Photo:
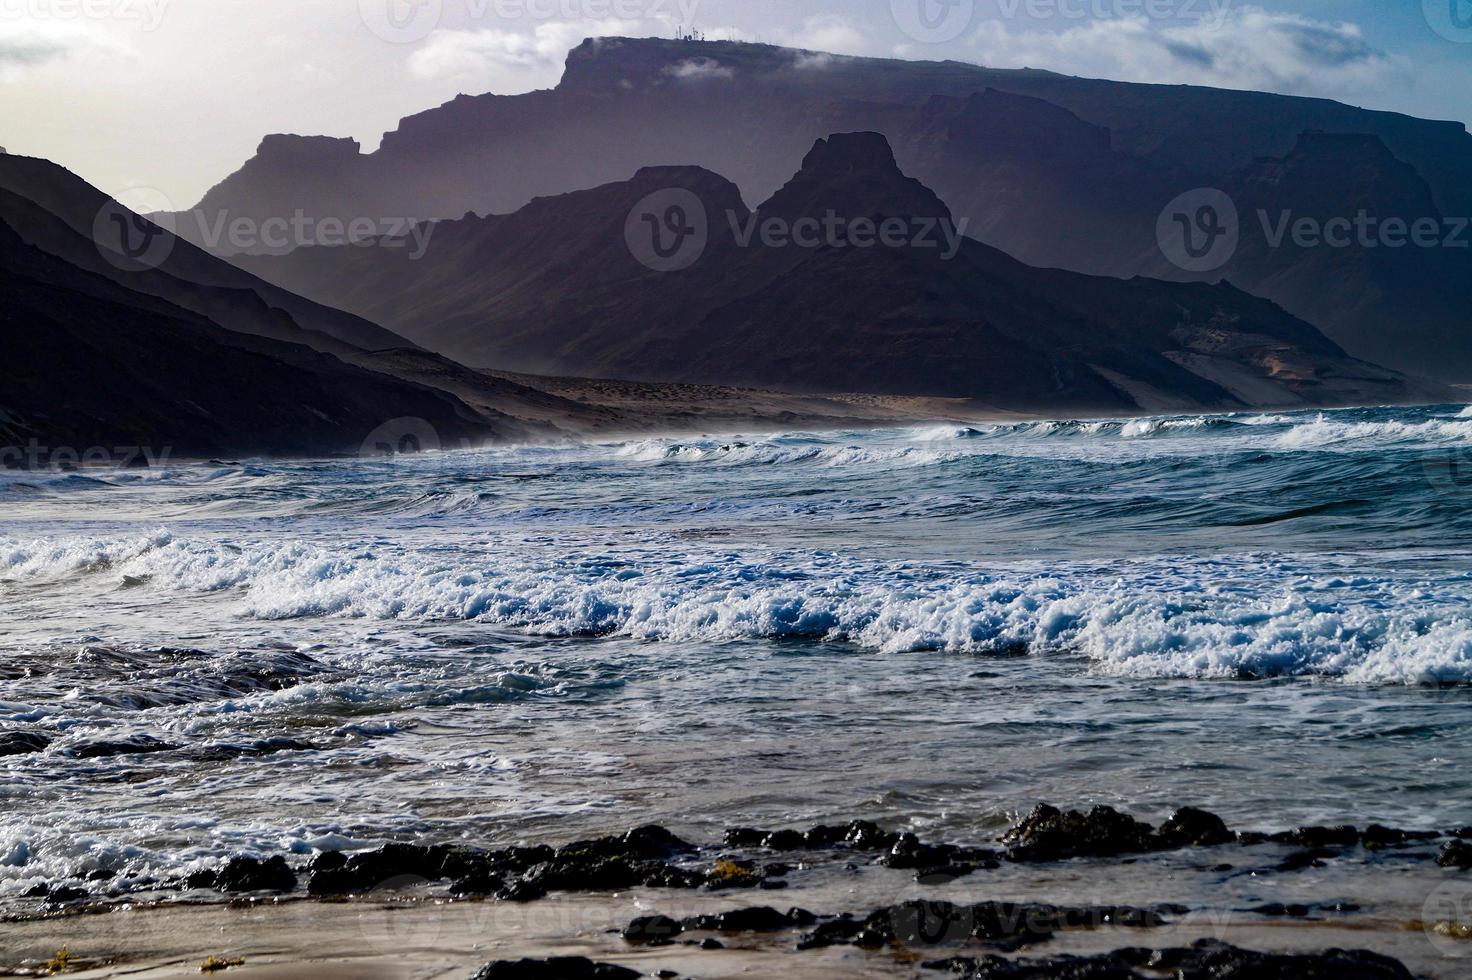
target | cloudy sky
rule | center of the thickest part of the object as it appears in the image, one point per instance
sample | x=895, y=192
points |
x=175, y=94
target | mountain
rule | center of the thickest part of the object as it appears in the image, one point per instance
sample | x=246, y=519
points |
x=173, y=348
x=176, y=353
x=1057, y=171
x=740, y=109
x=1396, y=300
x=90, y=363
x=58, y=212
x=563, y=286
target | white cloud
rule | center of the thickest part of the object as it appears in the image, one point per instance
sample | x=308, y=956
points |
x=309, y=72
x=1249, y=48
x=29, y=46
x=459, y=53
x=831, y=33
x=694, y=69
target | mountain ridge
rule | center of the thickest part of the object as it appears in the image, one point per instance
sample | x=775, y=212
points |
x=831, y=315
x=1059, y=171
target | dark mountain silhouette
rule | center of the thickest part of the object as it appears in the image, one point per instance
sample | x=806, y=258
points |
x=556, y=287
x=91, y=363
x=58, y=212
x=623, y=104
x=196, y=358
x=1057, y=171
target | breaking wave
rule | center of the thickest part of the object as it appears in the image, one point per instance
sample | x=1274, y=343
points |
x=1252, y=616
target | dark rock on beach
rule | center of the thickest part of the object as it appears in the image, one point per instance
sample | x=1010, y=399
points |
x=1005, y=925
x=22, y=743
x=517, y=873
x=557, y=968
x=1277, y=910
x=937, y=860
x=860, y=835
x=652, y=930
x=106, y=749
x=1049, y=834
x=1376, y=836
x=246, y=874
x=57, y=894
x=759, y=919
x=1316, y=837
x=1302, y=860
x=1457, y=854
x=391, y=866
x=1190, y=827
x=253, y=750
x=649, y=843
x=1206, y=960
x=250, y=875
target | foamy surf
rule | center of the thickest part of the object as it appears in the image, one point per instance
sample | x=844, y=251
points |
x=473, y=645
x=1253, y=616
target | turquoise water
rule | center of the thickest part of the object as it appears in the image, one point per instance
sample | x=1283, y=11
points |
x=1266, y=615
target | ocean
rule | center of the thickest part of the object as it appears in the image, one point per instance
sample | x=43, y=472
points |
x=1269, y=616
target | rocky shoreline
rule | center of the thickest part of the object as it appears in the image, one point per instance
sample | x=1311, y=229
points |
x=933, y=936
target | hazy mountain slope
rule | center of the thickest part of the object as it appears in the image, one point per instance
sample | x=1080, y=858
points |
x=624, y=103
x=554, y=288
x=89, y=363
x=58, y=212
x=93, y=363
x=1058, y=171
x=1399, y=302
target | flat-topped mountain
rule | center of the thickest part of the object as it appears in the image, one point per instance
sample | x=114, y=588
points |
x=808, y=293
x=1057, y=171
x=624, y=103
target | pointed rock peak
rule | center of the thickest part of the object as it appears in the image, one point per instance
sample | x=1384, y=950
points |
x=854, y=175
x=850, y=153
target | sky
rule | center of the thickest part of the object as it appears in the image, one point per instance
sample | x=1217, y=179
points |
x=174, y=95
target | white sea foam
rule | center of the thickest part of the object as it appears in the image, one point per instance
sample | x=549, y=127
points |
x=1326, y=432
x=1159, y=619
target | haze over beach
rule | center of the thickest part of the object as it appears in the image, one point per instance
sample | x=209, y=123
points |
x=612, y=488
